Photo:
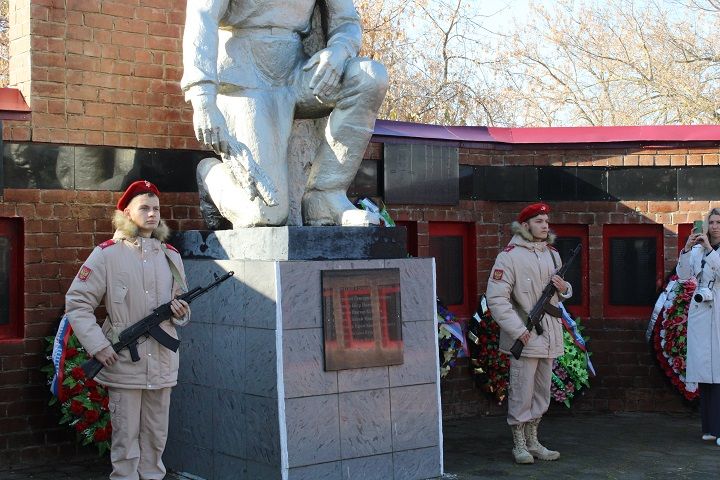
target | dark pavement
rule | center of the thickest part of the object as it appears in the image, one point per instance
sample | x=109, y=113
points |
x=599, y=446
x=607, y=446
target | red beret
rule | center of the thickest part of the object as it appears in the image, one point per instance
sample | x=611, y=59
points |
x=533, y=211
x=135, y=189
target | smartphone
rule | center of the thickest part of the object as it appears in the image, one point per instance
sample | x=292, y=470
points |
x=697, y=226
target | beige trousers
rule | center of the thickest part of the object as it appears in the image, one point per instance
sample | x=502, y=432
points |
x=529, y=396
x=139, y=432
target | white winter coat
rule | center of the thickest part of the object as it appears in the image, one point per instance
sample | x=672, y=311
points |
x=521, y=272
x=703, y=327
x=133, y=277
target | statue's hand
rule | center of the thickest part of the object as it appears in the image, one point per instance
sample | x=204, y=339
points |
x=330, y=64
x=210, y=126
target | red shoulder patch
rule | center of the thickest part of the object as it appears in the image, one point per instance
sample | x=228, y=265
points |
x=84, y=273
x=172, y=248
x=107, y=243
x=497, y=274
x=508, y=248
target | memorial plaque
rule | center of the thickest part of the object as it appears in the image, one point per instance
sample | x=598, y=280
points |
x=362, y=319
x=421, y=174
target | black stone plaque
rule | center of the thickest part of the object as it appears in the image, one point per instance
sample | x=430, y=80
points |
x=510, y=184
x=636, y=255
x=421, y=174
x=362, y=319
x=5, y=276
x=698, y=183
x=642, y=183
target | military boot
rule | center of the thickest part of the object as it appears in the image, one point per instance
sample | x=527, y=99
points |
x=520, y=451
x=534, y=446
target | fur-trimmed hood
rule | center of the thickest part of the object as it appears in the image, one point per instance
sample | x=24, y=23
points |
x=125, y=228
x=518, y=229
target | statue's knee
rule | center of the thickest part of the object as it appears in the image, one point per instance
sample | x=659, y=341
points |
x=372, y=75
x=278, y=214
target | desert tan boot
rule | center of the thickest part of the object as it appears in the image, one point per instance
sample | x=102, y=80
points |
x=535, y=448
x=520, y=451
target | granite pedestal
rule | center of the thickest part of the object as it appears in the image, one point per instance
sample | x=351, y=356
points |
x=253, y=400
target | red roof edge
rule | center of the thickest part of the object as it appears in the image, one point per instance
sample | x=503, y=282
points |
x=13, y=105
x=552, y=135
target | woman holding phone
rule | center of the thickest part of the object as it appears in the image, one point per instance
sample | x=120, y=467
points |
x=700, y=259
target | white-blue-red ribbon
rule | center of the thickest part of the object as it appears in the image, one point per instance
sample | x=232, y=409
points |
x=58, y=357
x=572, y=328
x=456, y=330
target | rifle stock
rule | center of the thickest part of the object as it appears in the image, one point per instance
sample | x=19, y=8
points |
x=150, y=325
x=538, y=310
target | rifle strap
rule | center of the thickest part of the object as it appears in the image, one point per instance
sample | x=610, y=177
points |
x=175, y=272
x=552, y=255
x=552, y=310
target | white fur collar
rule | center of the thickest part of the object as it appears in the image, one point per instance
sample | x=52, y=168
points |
x=518, y=229
x=125, y=228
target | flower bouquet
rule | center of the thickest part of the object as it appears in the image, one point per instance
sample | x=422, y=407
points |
x=83, y=402
x=451, y=340
x=669, y=332
x=491, y=367
x=571, y=372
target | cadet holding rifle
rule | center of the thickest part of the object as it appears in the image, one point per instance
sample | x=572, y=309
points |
x=136, y=273
x=517, y=280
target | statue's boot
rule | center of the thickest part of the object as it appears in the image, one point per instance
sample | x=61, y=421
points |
x=333, y=208
x=534, y=446
x=338, y=158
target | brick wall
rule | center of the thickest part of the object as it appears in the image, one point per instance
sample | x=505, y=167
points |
x=100, y=73
x=61, y=228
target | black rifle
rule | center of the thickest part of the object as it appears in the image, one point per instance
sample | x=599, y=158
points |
x=150, y=325
x=543, y=306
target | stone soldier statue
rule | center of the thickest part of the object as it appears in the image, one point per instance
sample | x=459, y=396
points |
x=248, y=77
x=521, y=272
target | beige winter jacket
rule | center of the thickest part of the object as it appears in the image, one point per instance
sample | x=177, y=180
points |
x=132, y=274
x=521, y=272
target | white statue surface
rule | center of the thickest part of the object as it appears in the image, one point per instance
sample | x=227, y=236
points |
x=249, y=76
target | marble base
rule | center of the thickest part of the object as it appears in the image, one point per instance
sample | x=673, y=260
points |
x=253, y=400
x=293, y=243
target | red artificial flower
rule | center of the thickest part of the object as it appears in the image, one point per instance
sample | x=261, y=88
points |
x=95, y=396
x=81, y=426
x=91, y=416
x=90, y=383
x=106, y=403
x=102, y=434
x=71, y=352
x=77, y=373
x=77, y=408
x=76, y=390
x=679, y=364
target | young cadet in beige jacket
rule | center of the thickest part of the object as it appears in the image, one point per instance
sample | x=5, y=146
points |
x=134, y=275
x=521, y=272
